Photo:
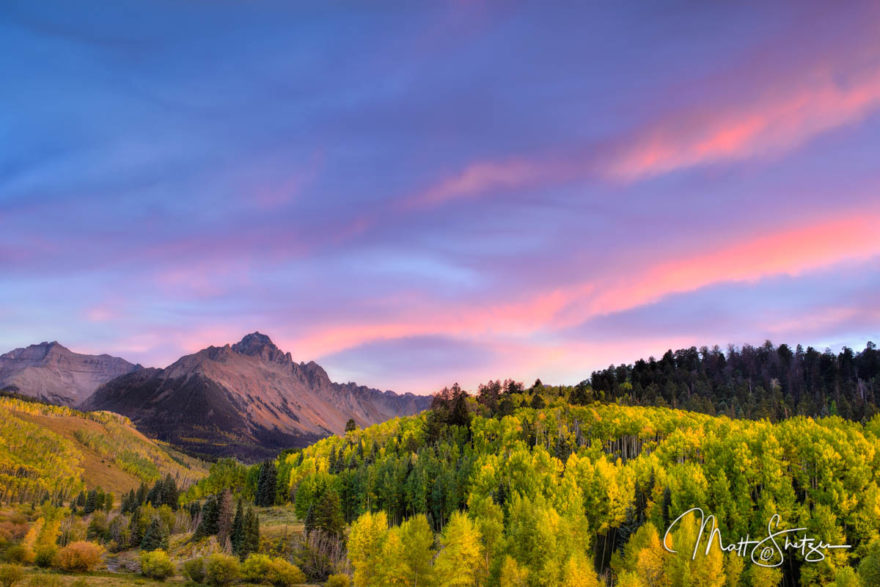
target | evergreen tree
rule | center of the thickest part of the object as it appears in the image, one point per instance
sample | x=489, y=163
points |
x=194, y=510
x=155, y=537
x=327, y=515
x=238, y=530
x=266, y=485
x=460, y=415
x=134, y=527
x=208, y=525
x=154, y=496
x=141, y=495
x=250, y=541
x=169, y=493
x=580, y=394
x=351, y=425
x=91, y=502
x=130, y=502
x=99, y=499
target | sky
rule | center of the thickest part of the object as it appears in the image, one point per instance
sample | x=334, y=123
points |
x=414, y=194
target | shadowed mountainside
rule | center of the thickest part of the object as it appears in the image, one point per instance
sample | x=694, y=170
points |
x=248, y=400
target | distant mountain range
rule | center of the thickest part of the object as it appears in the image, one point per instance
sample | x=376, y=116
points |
x=53, y=373
x=248, y=400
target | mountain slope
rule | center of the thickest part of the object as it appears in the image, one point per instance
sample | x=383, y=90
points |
x=247, y=400
x=50, y=450
x=51, y=372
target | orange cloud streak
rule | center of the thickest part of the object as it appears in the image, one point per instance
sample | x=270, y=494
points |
x=791, y=251
x=510, y=319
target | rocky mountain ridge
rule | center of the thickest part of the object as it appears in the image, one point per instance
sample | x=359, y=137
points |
x=53, y=373
x=249, y=399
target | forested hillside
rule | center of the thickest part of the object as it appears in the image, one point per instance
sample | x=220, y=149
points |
x=55, y=452
x=520, y=487
x=751, y=382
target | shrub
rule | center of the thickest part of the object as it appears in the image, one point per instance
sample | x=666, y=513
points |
x=221, y=569
x=79, y=557
x=156, y=565
x=256, y=568
x=194, y=569
x=260, y=568
x=98, y=528
x=337, y=581
x=16, y=554
x=10, y=575
x=284, y=574
x=45, y=555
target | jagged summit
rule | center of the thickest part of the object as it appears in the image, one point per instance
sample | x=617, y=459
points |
x=259, y=345
x=248, y=399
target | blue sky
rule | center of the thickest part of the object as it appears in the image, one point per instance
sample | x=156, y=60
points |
x=417, y=194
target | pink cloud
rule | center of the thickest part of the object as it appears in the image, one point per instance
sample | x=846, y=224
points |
x=516, y=318
x=821, y=243
x=797, y=249
x=780, y=120
x=101, y=313
x=478, y=178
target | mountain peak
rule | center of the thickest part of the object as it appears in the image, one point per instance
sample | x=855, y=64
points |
x=54, y=373
x=37, y=352
x=257, y=344
x=247, y=399
x=54, y=346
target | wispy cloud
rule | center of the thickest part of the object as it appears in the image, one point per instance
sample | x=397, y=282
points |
x=792, y=250
x=780, y=120
x=789, y=251
x=480, y=178
x=471, y=190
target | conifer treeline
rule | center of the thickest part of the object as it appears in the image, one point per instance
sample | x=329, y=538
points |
x=751, y=382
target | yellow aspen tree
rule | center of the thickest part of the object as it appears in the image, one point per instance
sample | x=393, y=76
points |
x=513, y=574
x=365, y=544
x=461, y=554
x=764, y=576
x=578, y=572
